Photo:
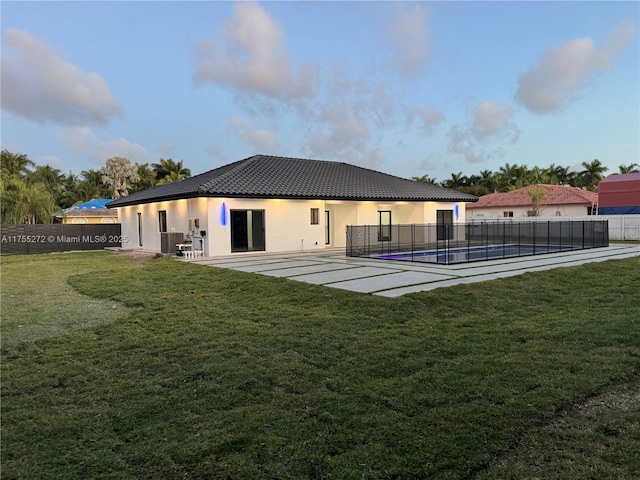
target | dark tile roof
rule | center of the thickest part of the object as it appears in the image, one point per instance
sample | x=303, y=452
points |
x=263, y=176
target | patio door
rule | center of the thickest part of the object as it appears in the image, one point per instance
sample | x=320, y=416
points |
x=247, y=230
x=444, y=219
x=384, y=225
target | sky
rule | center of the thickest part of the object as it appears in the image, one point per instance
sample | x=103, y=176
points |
x=406, y=88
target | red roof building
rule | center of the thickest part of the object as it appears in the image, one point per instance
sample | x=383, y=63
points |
x=558, y=201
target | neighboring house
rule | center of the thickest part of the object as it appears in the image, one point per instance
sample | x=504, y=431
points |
x=93, y=211
x=558, y=201
x=277, y=204
x=619, y=194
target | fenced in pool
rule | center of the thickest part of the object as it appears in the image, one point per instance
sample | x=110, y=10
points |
x=473, y=242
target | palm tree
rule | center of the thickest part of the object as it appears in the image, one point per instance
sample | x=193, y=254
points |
x=166, y=166
x=501, y=183
x=592, y=174
x=538, y=175
x=25, y=203
x=559, y=175
x=425, y=179
x=17, y=164
x=51, y=178
x=94, y=177
x=83, y=192
x=510, y=173
x=147, y=178
x=524, y=176
x=631, y=168
x=457, y=180
x=171, y=177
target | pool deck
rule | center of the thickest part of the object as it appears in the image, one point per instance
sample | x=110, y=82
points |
x=392, y=278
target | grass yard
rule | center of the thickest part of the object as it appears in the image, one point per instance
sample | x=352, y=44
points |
x=192, y=372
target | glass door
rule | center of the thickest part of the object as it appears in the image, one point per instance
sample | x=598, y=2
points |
x=444, y=219
x=384, y=226
x=247, y=230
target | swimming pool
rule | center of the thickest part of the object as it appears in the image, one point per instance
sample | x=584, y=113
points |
x=472, y=241
x=475, y=254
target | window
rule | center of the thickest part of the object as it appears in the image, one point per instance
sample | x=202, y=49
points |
x=162, y=221
x=327, y=227
x=507, y=214
x=384, y=225
x=315, y=216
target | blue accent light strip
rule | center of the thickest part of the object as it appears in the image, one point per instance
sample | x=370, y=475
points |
x=223, y=214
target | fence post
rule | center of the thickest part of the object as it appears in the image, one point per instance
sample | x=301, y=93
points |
x=548, y=235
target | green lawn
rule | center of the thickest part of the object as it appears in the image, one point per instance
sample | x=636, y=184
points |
x=216, y=374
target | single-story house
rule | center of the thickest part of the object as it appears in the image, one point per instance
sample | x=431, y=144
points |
x=619, y=194
x=94, y=211
x=277, y=204
x=558, y=201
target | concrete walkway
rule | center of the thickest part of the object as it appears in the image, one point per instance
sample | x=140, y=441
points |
x=390, y=278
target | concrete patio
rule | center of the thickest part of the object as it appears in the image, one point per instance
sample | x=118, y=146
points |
x=390, y=278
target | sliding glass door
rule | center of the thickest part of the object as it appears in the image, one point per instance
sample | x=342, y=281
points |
x=247, y=230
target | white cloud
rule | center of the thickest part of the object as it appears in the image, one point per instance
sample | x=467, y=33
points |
x=481, y=139
x=167, y=147
x=563, y=72
x=84, y=141
x=40, y=85
x=341, y=133
x=253, y=57
x=341, y=130
x=265, y=141
x=428, y=117
x=493, y=120
x=408, y=38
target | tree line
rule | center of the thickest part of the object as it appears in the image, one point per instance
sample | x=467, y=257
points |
x=510, y=177
x=33, y=193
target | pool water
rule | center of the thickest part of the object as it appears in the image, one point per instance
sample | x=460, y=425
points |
x=474, y=254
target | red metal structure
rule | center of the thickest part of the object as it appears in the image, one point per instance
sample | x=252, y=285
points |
x=619, y=194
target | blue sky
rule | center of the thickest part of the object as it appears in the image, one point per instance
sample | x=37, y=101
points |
x=408, y=88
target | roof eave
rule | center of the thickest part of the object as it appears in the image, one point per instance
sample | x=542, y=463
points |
x=167, y=198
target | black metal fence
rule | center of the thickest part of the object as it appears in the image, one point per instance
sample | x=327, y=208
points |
x=473, y=242
x=59, y=237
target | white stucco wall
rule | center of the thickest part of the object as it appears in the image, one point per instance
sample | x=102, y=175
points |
x=520, y=212
x=178, y=214
x=287, y=222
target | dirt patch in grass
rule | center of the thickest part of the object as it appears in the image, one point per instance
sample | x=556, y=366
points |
x=38, y=302
x=138, y=256
x=593, y=439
